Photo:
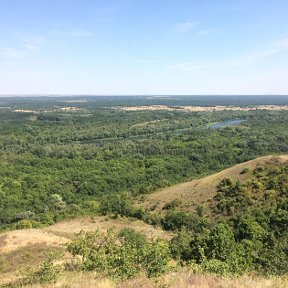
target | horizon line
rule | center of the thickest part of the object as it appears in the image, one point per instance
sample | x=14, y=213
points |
x=127, y=95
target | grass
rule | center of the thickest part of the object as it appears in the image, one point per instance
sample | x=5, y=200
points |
x=69, y=228
x=20, y=249
x=14, y=240
x=30, y=256
x=180, y=279
x=200, y=192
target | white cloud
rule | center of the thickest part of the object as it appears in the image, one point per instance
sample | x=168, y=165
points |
x=11, y=53
x=184, y=27
x=145, y=61
x=79, y=33
x=31, y=46
x=253, y=57
x=34, y=43
x=205, y=32
x=238, y=61
x=281, y=44
x=190, y=66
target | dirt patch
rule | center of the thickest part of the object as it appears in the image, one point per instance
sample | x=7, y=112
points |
x=144, y=124
x=70, y=109
x=69, y=228
x=3, y=241
x=201, y=108
x=25, y=111
x=13, y=240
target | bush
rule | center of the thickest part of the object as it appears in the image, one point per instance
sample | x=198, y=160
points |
x=117, y=204
x=176, y=220
x=222, y=241
x=46, y=273
x=122, y=255
x=180, y=245
x=172, y=205
x=24, y=224
x=244, y=171
x=156, y=256
x=215, y=266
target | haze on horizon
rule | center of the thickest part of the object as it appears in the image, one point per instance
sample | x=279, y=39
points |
x=143, y=47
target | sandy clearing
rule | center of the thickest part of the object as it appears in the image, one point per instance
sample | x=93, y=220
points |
x=13, y=240
x=202, y=108
x=69, y=228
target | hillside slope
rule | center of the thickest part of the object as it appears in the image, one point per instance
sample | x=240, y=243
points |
x=24, y=248
x=264, y=190
x=199, y=192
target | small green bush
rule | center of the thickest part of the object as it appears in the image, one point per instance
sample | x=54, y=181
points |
x=24, y=224
x=47, y=272
x=215, y=266
x=121, y=255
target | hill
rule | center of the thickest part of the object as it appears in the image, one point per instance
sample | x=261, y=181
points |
x=243, y=232
x=200, y=192
x=27, y=247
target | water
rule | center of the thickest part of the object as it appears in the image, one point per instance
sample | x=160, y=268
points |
x=225, y=123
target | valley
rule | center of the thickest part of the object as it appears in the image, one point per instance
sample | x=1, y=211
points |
x=157, y=191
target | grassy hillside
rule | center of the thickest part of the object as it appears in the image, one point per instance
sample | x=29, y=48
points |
x=200, y=192
x=240, y=231
x=26, y=247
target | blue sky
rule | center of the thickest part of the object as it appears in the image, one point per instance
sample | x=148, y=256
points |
x=143, y=47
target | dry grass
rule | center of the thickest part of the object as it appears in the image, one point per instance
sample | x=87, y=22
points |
x=188, y=280
x=69, y=228
x=29, y=256
x=171, y=280
x=14, y=240
x=201, y=191
x=25, y=248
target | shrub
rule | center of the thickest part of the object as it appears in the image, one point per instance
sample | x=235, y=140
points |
x=222, y=241
x=244, y=171
x=215, y=266
x=122, y=255
x=156, y=256
x=117, y=204
x=24, y=224
x=172, y=205
x=180, y=245
x=47, y=272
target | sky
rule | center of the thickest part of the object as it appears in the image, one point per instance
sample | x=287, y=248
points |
x=143, y=47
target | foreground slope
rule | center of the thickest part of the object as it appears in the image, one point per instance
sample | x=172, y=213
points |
x=20, y=249
x=199, y=192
